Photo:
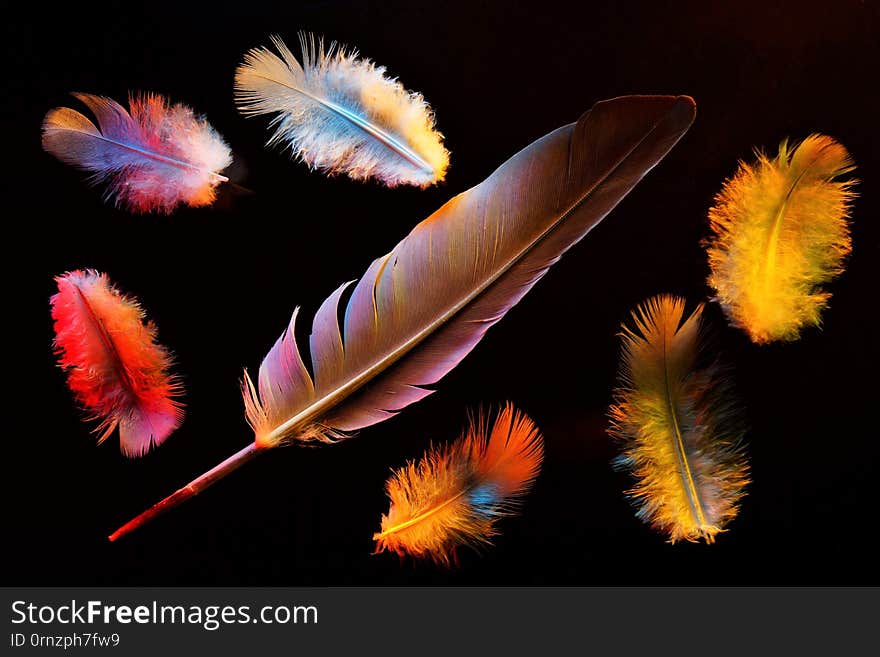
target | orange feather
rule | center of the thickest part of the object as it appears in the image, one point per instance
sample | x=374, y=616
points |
x=455, y=495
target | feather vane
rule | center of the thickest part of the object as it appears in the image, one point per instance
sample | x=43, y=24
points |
x=340, y=113
x=679, y=426
x=779, y=233
x=456, y=494
x=156, y=157
x=115, y=368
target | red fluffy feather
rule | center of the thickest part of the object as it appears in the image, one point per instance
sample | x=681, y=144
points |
x=114, y=366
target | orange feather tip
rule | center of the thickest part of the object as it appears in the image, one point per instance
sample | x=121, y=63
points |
x=780, y=232
x=115, y=368
x=455, y=495
x=679, y=425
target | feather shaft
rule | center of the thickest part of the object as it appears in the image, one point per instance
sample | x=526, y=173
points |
x=359, y=122
x=167, y=160
x=192, y=489
x=693, y=495
x=154, y=155
x=776, y=227
x=107, y=342
x=415, y=520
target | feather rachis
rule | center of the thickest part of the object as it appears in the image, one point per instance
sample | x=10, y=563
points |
x=679, y=425
x=154, y=157
x=340, y=113
x=780, y=232
x=455, y=495
x=115, y=368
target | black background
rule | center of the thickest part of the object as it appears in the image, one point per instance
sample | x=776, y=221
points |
x=222, y=282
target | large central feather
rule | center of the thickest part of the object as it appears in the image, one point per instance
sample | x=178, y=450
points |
x=419, y=310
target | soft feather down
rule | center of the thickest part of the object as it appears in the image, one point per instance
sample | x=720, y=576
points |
x=115, y=368
x=339, y=113
x=679, y=425
x=779, y=232
x=456, y=494
x=157, y=157
x=420, y=309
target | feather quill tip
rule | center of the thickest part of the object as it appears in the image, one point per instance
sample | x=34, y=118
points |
x=779, y=233
x=115, y=369
x=679, y=426
x=456, y=494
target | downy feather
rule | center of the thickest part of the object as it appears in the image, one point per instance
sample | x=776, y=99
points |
x=679, y=425
x=115, y=368
x=779, y=232
x=419, y=310
x=339, y=113
x=456, y=494
x=153, y=159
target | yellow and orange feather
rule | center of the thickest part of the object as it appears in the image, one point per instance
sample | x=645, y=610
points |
x=779, y=232
x=455, y=495
x=679, y=426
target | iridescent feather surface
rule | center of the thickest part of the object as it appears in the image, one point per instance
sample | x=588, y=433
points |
x=679, y=425
x=455, y=495
x=779, y=233
x=153, y=159
x=115, y=368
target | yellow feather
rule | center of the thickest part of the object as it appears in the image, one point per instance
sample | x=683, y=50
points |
x=779, y=232
x=679, y=426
